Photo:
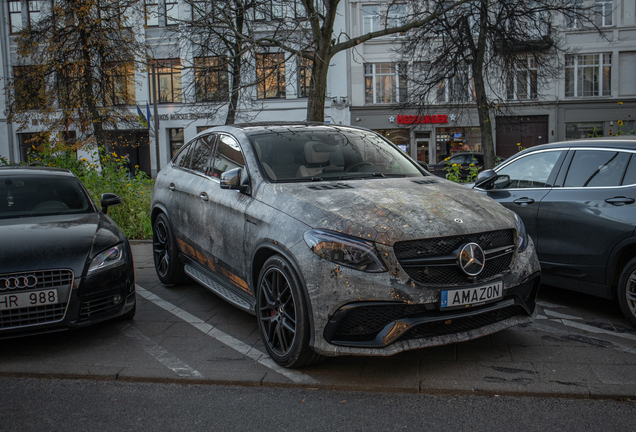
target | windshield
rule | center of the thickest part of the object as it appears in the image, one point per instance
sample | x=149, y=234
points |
x=313, y=154
x=40, y=195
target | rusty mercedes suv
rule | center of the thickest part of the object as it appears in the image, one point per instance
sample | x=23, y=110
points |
x=338, y=242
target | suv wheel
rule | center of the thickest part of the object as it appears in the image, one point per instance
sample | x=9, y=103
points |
x=282, y=314
x=627, y=291
x=166, y=256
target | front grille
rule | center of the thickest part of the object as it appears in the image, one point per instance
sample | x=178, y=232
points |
x=45, y=279
x=524, y=290
x=97, y=307
x=31, y=315
x=371, y=319
x=460, y=325
x=445, y=247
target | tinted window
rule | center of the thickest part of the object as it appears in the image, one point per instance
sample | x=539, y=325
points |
x=590, y=168
x=630, y=175
x=23, y=195
x=201, y=153
x=228, y=155
x=531, y=171
x=182, y=160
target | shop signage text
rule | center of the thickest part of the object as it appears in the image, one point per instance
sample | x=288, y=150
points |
x=422, y=119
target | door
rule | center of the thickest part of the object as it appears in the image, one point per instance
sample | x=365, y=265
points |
x=526, y=131
x=421, y=147
x=583, y=220
x=531, y=178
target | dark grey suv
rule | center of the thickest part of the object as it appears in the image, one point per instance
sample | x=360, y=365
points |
x=338, y=242
x=577, y=200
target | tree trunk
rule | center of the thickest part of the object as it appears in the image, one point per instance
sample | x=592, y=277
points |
x=89, y=97
x=236, y=68
x=318, y=86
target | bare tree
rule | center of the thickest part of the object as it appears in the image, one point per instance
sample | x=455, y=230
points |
x=487, y=53
x=75, y=70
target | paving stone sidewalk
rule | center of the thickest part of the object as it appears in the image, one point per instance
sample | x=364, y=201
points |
x=187, y=334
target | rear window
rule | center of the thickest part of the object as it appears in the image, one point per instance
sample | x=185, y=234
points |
x=25, y=196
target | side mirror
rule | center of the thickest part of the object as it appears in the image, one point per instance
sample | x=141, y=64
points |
x=423, y=165
x=109, y=199
x=232, y=179
x=485, y=178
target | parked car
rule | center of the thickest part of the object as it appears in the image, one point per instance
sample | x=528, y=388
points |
x=63, y=262
x=577, y=200
x=338, y=242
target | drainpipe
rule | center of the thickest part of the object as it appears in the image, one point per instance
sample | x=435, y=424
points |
x=5, y=71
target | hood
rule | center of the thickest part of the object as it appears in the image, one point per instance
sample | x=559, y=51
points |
x=389, y=210
x=64, y=241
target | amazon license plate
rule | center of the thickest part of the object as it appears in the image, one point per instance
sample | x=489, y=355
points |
x=474, y=296
x=28, y=299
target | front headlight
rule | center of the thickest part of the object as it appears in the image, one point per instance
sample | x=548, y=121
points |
x=522, y=240
x=109, y=258
x=345, y=250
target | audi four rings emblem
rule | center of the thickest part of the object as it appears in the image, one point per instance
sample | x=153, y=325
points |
x=471, y=259
x=18, y=282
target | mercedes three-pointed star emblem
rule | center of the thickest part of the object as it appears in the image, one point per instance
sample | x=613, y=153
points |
x=471, y=259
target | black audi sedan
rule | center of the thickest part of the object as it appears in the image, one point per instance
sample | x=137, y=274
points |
x=578, y=202
x=63, y=262
x=338, y=242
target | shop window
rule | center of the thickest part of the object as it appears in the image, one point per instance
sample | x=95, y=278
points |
x=450, y=141
x=168, y=81
x=175, y=136
x=120, y=84
x=588, y=75
x=603, y=13
x=304, y=76
x=521, y=82
x=270, y=72
x=400, y=137
x=583, y=130
x=15, y=16
x=211, y=80
x=385, y=83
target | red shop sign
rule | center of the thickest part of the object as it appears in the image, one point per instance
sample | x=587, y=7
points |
x=422, y=119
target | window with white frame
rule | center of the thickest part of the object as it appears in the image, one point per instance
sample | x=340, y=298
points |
x=575, y=7
x=521, y=82
x=385, y=83
x=396, y=15
x=370, y=18
x=603, y=13
x=588, y=75
x=270, y=73
x=456, y=88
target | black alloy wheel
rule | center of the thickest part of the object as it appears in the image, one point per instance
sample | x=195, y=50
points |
x=282, y=315
x=166, y=256
x=627, y=291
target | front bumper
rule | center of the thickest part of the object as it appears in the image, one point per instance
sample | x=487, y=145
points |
x=381, y=314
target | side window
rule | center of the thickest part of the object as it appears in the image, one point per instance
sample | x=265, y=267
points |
x=228, y=155
x=532, y=171
x=201, y=154
x=630, y=175
x=182, y=158
x=594, y=168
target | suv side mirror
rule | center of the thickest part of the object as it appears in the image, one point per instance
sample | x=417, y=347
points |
x=109, y=199
x=232, y=179
x=485, y=178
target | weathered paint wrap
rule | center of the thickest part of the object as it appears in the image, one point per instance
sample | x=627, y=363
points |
x=236, y=227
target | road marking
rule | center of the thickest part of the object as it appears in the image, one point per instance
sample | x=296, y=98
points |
x=167, y=359
x=593, y=329
x=553, y=314
x=226, y=339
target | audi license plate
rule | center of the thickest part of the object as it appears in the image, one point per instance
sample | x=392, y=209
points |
x=28, y=299
x=468, y=297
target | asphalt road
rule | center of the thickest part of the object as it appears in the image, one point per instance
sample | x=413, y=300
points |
x=578, y=347
x=68, y=405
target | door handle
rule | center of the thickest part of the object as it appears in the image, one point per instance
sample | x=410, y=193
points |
x=523, y=201
x=204, y=196
x=619, y=201
x=172, y=187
